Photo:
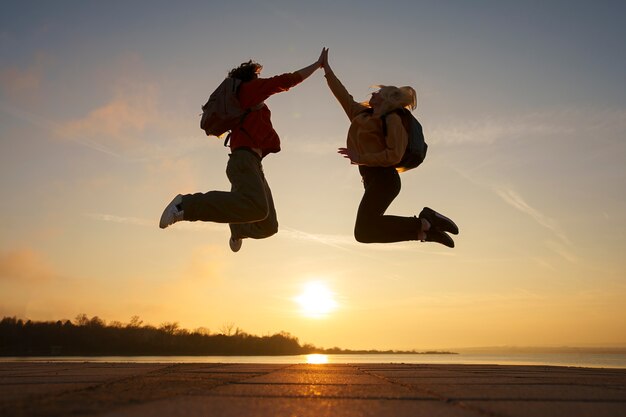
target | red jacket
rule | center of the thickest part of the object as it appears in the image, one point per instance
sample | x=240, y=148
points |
x=256, y=130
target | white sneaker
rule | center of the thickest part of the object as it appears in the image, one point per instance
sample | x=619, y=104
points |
x=235, y=244
x=171, y=214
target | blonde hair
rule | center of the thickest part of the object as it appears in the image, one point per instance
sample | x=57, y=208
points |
x=396, y=98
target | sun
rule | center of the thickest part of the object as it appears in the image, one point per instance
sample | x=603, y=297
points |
x=316, y=300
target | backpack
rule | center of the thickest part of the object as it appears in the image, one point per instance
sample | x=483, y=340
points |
x=223, y=112
x=416, y=148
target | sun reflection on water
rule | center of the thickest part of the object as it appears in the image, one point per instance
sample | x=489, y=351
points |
x=316, y=359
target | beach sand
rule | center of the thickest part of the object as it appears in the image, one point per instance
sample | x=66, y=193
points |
x=302, y=390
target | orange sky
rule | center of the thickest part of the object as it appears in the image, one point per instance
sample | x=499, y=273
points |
x=523, y=111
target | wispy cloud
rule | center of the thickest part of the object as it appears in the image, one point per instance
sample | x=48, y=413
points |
x=341, y=242
x=490, y=131
x=154, y=223
x=563, y=246
x=41, y=122
x=120, y=123
x=539, y=125
x=128, y=145
x=515, y=200
x=563, y=249
x=349, y=244
x=23, y=83
x=337, y=241
x=118, y=219
x=125, y=126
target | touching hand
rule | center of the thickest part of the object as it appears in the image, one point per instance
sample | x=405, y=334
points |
x=325, y=63
x=323, y=57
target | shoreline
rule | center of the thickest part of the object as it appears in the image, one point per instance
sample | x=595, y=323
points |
x=591, y=361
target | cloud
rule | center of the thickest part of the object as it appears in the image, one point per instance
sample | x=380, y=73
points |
x=489, y=131
x=134, y=126
x=337, y=241
x=23, y=83
x=348, y=243
x=515, y=200
x=119, y=124
x=562, y=247
x=154, y=223
x=118, y=219
x=552, y=123
x=170, y=154
x=16, y=81
x=25, y=264
x=563, y=250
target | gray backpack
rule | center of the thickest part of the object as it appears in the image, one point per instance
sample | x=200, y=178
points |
x=223, y=112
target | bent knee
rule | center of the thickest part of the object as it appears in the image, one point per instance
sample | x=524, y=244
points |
x=272, y=231
x=259, y=213
x=363, y=236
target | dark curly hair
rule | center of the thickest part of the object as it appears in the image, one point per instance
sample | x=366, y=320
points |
x=246, y=71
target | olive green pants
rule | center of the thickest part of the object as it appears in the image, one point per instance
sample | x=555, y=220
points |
x=248, y=207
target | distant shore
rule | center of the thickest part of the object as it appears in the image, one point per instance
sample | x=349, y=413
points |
x=93, y=337
x=346, y=352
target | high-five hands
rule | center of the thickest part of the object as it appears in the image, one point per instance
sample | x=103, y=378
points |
x=321, y=61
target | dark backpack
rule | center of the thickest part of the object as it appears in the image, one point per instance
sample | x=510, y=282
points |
x=223, y=112
x=416, y=148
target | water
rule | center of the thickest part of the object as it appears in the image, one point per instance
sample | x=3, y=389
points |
x=582, y=359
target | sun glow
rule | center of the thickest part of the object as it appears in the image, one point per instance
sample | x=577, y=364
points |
x=316, y=300
x=316, y=359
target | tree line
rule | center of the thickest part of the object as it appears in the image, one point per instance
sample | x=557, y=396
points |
x=94, y=337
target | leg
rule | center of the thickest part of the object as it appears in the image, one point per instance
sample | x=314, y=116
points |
x=246, y=202
x=382, y=185
x=260, y=229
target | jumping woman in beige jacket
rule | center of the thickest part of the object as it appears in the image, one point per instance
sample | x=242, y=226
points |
x=377, y=154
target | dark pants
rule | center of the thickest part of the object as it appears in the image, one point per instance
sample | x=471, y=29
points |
x=382, y=185
x=248, y=207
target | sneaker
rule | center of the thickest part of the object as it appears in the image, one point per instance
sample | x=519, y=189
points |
x=172, y=212
x=439, y=221
x=235, y=244
x=434, y=235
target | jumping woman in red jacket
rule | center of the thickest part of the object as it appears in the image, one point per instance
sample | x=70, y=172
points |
x=248, y=207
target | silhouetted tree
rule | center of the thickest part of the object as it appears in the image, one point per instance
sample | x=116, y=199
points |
x=135, y=321
x=169, y=328
x=227, y=328
x=81, y=320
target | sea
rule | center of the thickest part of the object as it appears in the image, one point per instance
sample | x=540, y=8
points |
x=576, y=359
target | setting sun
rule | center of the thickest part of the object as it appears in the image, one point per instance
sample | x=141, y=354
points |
x=316, y=300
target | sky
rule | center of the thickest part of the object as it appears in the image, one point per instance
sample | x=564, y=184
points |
x=523, y=106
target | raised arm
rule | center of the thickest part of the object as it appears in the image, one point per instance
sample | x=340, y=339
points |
x=351, y=107
x=308, y=70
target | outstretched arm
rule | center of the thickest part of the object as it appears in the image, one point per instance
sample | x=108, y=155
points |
x=351, y=107
x=266, y=87
x=308, y=70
